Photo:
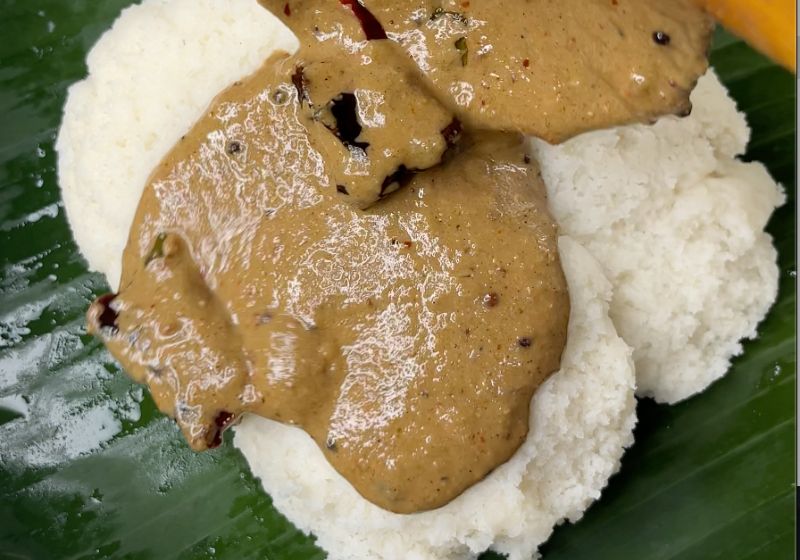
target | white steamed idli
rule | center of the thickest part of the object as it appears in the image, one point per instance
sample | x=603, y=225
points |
x=673, y=219
x=677, y=223
x=127, y=114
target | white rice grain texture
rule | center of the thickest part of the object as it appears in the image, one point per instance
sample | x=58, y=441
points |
x=582, y=418
x=150, y=77
x=676, y=222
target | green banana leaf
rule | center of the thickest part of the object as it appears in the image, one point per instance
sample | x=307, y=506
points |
x=89, y=469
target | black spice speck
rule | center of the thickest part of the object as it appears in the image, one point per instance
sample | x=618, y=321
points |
x=463, y=48
x=661, y=38
x=491, y=299
x=330, y=443
x=452, y=132
x=280, y=97
x=234, y=147
x=525, y=342
x=342, y=189
x=441, y=12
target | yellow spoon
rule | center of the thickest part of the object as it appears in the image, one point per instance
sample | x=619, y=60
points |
x=768, y=25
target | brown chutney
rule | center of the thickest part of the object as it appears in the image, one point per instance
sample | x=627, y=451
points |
x=275, y=267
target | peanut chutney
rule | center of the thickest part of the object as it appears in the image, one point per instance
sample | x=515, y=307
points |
x=353, y=239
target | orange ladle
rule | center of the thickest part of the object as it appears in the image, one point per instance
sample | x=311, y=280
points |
x=768, y=25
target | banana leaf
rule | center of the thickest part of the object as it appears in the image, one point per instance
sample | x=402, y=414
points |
x=90, y=469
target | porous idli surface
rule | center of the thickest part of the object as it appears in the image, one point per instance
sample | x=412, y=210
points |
x=581, y=420
x=677, y=222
